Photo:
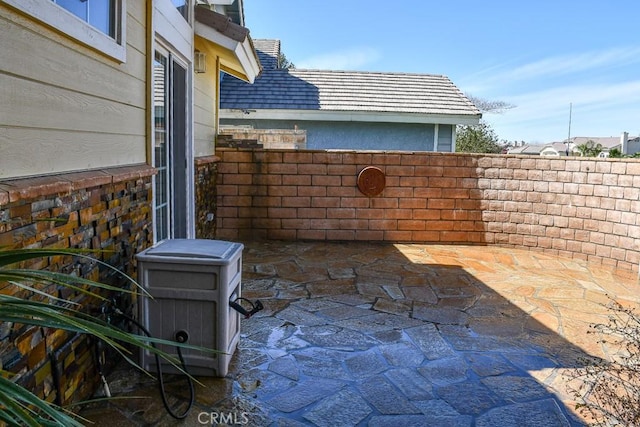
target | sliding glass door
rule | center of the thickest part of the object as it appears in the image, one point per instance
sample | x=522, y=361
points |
x=170, y=153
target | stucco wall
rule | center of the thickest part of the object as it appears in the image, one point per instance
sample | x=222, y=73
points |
x=358, y=135
x=580, y=208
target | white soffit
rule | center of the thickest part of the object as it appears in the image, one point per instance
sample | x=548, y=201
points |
x=233, y=37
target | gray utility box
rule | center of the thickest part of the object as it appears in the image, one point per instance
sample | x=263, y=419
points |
x=191, y=282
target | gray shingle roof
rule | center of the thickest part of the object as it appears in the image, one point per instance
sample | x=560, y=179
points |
x=347, y=91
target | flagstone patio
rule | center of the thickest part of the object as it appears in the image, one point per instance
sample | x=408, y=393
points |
x=403, y=335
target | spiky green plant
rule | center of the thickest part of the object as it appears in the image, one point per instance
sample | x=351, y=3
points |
x=19, y=406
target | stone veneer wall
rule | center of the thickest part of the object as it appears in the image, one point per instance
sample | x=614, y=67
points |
x=205, y=179
x=108, y=210
x=581, y=208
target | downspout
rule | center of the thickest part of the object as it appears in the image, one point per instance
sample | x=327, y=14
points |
x=216, y=106
x=149, y=83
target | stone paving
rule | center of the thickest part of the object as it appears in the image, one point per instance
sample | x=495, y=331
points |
x=396, y=335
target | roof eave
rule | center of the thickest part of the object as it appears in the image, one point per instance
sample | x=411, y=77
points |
x=217, y=29
x=350, y=116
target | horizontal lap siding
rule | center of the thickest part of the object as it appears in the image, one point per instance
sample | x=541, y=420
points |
x=66, y=107
x=580, y=208
x=204, y=113
x=68, y=117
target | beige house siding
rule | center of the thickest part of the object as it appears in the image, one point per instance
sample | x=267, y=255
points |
x=75, y=161
x=66, y=107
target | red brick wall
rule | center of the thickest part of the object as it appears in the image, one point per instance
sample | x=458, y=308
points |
x=109, y=210
x=580, y=208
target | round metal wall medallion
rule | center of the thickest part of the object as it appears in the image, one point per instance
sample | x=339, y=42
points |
x=371, y=181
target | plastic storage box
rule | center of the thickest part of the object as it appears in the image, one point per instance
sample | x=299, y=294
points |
x=191, y=282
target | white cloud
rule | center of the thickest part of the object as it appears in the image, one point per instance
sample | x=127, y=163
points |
x=585, y=95
x=602, y=86
x=349, y=59
x=597, y=110
x=563, y=65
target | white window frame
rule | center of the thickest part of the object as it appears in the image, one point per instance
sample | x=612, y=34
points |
x=173, y=36
x=62, y=20
x=164, y=48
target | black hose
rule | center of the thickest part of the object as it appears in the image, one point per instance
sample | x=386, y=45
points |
x=163, y=393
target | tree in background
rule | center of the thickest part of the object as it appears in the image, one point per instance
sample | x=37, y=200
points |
x=615, y=153
x=481, y=138
x=284, y=63
x=589, y=149
x=487, y=106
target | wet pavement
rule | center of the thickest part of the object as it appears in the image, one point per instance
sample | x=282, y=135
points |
x=395, y=335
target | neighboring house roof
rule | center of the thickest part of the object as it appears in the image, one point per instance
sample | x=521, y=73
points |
x=268, y=52
x=527, y=149
x=551, y=149
x=632, y=144
x=349, y=95
x=554, y=149
x=560, y=148
x=343, y=95
x=606, y=142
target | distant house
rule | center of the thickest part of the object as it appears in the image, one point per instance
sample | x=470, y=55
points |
x=625, y=144
x=551, y=149
x=349, y=109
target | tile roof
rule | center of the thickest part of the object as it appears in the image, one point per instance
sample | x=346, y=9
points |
x=268, y=51
x=347, y=91
x=558, y=147
x=527, y=149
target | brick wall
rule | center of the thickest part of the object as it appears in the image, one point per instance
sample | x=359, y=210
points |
x=580, y=208
x=108, y=210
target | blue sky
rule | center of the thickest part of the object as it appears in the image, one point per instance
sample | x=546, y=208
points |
x=539, y=55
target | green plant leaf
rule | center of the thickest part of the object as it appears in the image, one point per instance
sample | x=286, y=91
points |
x=14, y=256
x=16, y=402
x=20, y=406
